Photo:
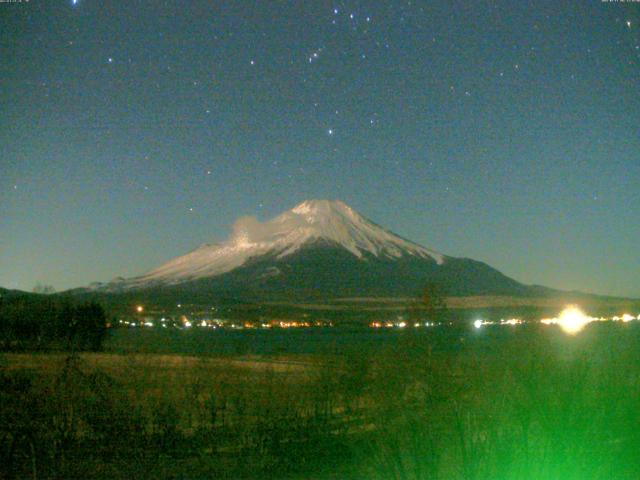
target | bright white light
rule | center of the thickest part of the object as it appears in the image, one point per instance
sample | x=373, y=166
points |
x=511, y=321
x=187, y=324
x=627, y=318
x=572, y=320
x=477, y=323
x=402, y=324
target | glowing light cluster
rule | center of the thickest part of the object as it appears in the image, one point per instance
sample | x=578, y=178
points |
x=572, y=320
x=511, y=321
x=401, y=324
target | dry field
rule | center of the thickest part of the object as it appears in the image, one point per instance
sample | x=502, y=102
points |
x=523, y=403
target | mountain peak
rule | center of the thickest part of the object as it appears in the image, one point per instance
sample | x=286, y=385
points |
x=321, y=207
x=330, y=221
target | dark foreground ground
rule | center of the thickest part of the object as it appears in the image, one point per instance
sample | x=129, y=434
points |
x=524, y=402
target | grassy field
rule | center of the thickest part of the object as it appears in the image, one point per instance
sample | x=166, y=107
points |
x=500, y=403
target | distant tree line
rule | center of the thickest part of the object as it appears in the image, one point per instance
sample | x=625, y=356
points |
x=42, y=288
x=35, y=322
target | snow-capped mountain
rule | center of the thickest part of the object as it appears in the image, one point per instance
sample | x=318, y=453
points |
x=319, y=248
x=331, y=221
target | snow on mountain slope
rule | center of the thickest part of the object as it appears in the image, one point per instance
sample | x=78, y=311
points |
x=312, y=220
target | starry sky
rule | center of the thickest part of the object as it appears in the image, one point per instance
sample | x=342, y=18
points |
x=505, y=131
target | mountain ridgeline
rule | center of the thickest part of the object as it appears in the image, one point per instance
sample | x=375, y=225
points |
x=318, y=250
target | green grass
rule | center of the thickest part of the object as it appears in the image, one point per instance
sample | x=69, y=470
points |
x=499, y=403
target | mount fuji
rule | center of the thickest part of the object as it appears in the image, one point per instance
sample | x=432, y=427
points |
x=318, y=249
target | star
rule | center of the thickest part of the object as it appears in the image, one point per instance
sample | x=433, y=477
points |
x=629, y=23
x=110, y=60
x=315, y=55
x=253, y=62
x=330, y=131
x=74, y=2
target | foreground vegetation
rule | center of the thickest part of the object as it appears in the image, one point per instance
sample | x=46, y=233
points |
x=532, y=404
x=43, y=322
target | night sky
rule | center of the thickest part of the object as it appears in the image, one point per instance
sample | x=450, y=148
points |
x=505, y=131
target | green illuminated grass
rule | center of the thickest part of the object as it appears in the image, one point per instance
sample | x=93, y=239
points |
x=498, y=403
